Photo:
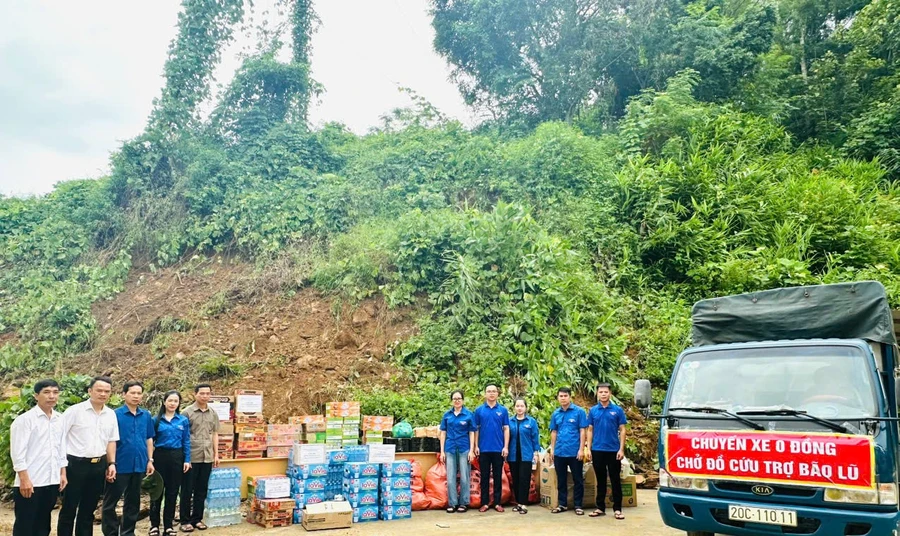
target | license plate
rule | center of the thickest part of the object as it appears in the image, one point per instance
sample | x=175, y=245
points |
x=769, y=516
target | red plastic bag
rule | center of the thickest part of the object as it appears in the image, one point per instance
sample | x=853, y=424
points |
x=506, y=494
x=416, y=482
x=436, y=486
x=534, y=494
x=420, y=501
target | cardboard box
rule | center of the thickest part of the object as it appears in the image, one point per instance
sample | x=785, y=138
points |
x=269, y=487
x=226, y=429
x=248, y=401
x=382, y=453
x=377, y=423
x=243, y=418
x=281, y=440
x=278, y=452
x=314, y=427
x=250, y=446
x=427, y=431
x=284, y=429
x=359, y=485
x=362, y=470
x=308, y=454
x=548, y=482
x=336, y=456
x=272, y=505
x=306, y=419
x=248, y=454
x=629, y=493
x=312, y=497
x=391, y=512
x=394, y=482
x=309, y=471
x=395, y=497
x=364, y=513
x=342, y=409
x=363, y=498
x=303, y=486
x=402, y=468
x=328, y=515
x=222, y=406
x=260, y=518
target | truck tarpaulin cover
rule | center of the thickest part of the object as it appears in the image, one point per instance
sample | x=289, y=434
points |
x=802, y=459
x=842, y=310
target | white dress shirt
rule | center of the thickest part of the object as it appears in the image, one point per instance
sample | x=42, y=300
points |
x=88, y=432
x=37, y=444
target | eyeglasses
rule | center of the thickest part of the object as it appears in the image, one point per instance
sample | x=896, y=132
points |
x=456, y=398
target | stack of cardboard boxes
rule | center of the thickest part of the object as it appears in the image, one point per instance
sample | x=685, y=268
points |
x=280, y=438
x=314, y=429
x=374, y=427
x=250, y=425
x=308, y=471
x=270, y=504
x=222, y=406
x=395, y=500
x=342, y=422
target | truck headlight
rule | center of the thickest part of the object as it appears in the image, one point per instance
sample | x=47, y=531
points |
x=668, y=481
x=851, y=496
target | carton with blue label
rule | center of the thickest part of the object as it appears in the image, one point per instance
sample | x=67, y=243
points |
x=389, y=513
x=398, y=468
x=301, y=485
x=303, y=499
x=363, y=498
x=360, y=484
x=362, y=470
x=363, y=514
x=317, y=470
x=394, y=482
x=396, y=497
x=336, y=456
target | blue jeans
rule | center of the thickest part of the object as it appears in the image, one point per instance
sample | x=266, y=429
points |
x=458, y=462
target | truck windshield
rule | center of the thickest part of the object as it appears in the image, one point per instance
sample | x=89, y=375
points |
x=831, y=382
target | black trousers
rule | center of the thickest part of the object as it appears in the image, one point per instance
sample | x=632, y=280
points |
x=33, y=513
x=491, y=465
x=86, y=481
x=563, y=464
x=129, y=485
x=521, y=480
x=169, y=464
x=606, y=462
x=193, y=493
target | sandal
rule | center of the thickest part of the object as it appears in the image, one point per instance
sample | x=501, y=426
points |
x=523, y=510
x=187, y=527
x=619, y=515
x=170, y=532
x=499, y=508
x=154, y=531
x=515, y=508
x=462, y=509
x=579, y=511
x=559, y=510
x=484, y=508
x=201, y=526
x=451, y=510
x=597, y=513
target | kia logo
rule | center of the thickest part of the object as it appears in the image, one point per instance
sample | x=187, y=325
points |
x=761, y=489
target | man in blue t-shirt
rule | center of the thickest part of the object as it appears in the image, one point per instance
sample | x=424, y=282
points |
x=567, y=437
x=491, y=446
x=607, y=431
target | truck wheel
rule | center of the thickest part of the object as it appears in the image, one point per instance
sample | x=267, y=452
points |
x=699, y=533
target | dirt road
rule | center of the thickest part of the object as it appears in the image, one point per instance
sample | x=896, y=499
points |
x=643, y=520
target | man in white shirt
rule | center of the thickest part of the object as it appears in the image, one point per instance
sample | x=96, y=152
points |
x=90, y=432
x=38, y=452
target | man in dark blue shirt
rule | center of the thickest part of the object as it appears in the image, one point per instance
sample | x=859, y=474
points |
x=134, y=459
x=491, y=446
x=607, y=431
x=567, y=437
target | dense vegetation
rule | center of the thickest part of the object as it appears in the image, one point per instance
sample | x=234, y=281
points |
x=639, y=157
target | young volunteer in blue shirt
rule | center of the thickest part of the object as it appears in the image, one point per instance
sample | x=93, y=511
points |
x=491, y=446
x=607, y=431
x=524, y=443
x=567, y=437
x=134, y=460
x=457, y=451
x=172, y=454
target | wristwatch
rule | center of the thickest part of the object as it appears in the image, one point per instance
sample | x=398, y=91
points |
x=110, y=463
x=151, y=460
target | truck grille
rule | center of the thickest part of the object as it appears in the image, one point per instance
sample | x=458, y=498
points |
x=805, y=525
x=781, y=491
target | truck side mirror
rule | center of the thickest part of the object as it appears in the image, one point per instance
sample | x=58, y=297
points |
x=642, y=394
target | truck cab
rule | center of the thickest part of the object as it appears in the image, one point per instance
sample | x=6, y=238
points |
x=782, y=418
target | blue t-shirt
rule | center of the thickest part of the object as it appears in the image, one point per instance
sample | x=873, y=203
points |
x=174, y=434
x=490, y=423
x=134, y=431
x=526, y=434
x=457, y=428
x=606, y=422
x=568, y=425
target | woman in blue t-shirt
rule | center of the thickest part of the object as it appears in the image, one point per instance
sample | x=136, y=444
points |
x=172, y=458
x=524, y=443
x=457, y=451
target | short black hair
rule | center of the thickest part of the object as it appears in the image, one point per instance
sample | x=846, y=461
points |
x=129, y=385
x=455, y=391
x=523, y=401
x=201, y=386
x=491, y=384
x=601, y=385
x=104, y=379
x=566, y=390
x=43, y=384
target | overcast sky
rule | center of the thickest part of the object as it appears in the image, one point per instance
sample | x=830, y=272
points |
x=78, y=78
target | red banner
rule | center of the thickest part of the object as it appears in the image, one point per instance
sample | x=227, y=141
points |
x=803, y=459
